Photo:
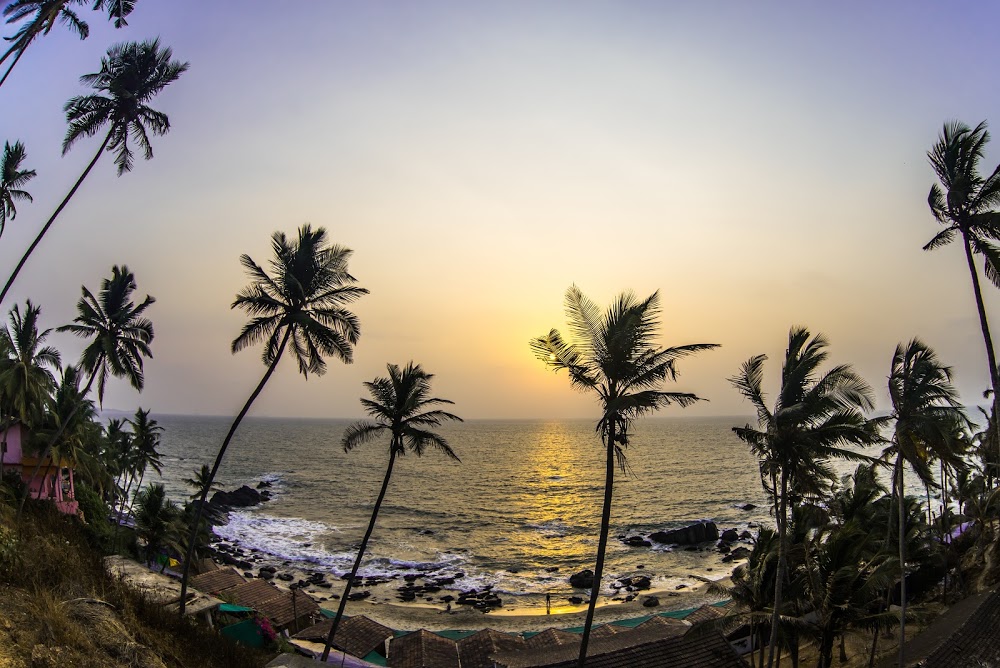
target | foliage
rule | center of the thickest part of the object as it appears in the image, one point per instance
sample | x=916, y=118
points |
x=12, y=181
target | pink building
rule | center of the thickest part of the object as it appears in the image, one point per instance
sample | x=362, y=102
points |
x=54, y=480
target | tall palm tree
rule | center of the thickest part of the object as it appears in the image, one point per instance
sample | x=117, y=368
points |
x=44, y=15
x=966, y=204
x=926, y=413
x=157, y=522
x=615, y=355
x=814, y=415
x=12, y=181
x=302, y=304
x=143, y=453
x=399, y=406
x=120, y=335
x=131, y=75
x=118, y=10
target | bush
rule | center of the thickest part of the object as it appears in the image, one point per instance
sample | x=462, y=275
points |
x=95, y=512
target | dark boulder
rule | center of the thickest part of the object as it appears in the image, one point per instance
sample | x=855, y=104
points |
x=651, y=602
x=358, y=596
x=699, y=532
x=582, y=580
x=729, y=535
x=575, y=600
x=748, y=507
x=244, y=497
x=636, y=541
x=740, y=553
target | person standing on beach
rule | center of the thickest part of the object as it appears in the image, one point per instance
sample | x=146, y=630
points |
x=548, y=604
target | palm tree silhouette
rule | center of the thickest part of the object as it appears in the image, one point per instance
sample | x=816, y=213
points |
x=12, y=181
x=927, y=414
x=46, y=14
x=120, y=336
x=614, y=354
x=131, y=75
x=399, y=406
x=301, y=306
x=813, y=415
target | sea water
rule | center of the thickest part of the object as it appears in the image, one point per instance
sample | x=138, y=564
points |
x=520, y=512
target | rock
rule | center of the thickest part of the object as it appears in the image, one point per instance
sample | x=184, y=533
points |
x=551, y=569
x=582, y=580
x=746, y=535
x=244, y=497
x=640, y=567
x=575, y=600
x=681, y=586
x=740, y=553
x=748, y=507
x=246, y=574
x=651, y=602
x=266, y=575
x=447, y=598
x=699, y=532
x=358, y=596
x=729, y=535
x=262, y=484
x=636, y=541
x=723, y=548
x=287, y=577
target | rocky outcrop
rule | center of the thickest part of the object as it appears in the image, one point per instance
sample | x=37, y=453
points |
x=582, y=580
x=244, y=497
x=700, y=532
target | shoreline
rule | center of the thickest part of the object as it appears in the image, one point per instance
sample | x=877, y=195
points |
x=412, y=617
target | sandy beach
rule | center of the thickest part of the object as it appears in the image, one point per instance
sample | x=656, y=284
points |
x=410, y=617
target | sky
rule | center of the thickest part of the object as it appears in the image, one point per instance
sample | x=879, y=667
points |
x=761, y=165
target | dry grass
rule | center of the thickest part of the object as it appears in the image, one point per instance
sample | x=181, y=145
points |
x=58, y=606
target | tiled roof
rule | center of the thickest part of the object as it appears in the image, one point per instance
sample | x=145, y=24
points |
x=356, y=635
x=213, y=582
x=704, y=650
x=963, y=637
x=665, y=627
x=252, y=593
x=283, y=610
x=705, y=613
x=475, y=650
x=423, y=649
x=550, y=637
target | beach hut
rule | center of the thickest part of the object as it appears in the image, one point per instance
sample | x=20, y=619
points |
x=423, y=649
x=357, y=636
x=54, y=481
x=964, y=636
x=475, y=651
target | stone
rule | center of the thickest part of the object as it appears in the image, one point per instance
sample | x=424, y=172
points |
x=650, y=602
x=740, y=553
x=748, y=507
x=244, y=497
x=582, y=580
x=637, y=541
x=358, y=596
x=575, y=600
x=693, y=534
x=287, y=577
x=729, y=535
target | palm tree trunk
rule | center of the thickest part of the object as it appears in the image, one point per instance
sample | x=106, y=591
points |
x=902, y=559
x=20, y=52
x=602, y=543
x=130, y=505
x=52, y=218
x=192, y=539
x=987, y=339
x=361, y=552
x=871, y=655
x=782, y=566
x=52, y=442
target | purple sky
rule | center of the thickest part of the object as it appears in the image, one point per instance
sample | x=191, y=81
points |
x=761, y=164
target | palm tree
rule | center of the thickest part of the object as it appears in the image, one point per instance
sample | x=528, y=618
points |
x=118, y=10
x=157, y=522
x=142, y=453
x=399, y=406
x=199, y=480
x=26, y=378
x=813, y=416
x=131, y=75
x=303, y=304
x=615, y=355
x=967, y=208
x=12, y=180
x=120, y=334
x=927, y=413
x=45, y=15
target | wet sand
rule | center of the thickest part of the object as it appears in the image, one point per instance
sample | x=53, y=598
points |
x=410, y=617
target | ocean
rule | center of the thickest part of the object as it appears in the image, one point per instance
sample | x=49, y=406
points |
x=520, y=512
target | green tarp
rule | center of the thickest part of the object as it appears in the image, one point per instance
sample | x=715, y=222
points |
x=245, y=633
x=229, y=607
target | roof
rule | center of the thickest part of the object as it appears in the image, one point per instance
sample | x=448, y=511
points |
x=423, y=649
x=252, y=593
x=705, y=650
x=705, y=613
x=665, y=627
x=964, y=636
x=215, y=581
x=550, y=637
x=284, y=609
x=356, y=635
x=475, y=650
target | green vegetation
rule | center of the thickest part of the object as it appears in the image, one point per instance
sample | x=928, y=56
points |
x=614, y=354
x=398, y=406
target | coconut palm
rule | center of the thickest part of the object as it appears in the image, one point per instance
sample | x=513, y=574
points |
x=12, y=181
x=44, y=15
x=142, y=454
x=815, y=414
x=966, y=204
x=157, y=522
x=131, y=76
x=199, y=480
x=615, y=355
x=120, y=334
x=118, y=10
x=926, y=414
x=302, y=306
x=399, y=406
